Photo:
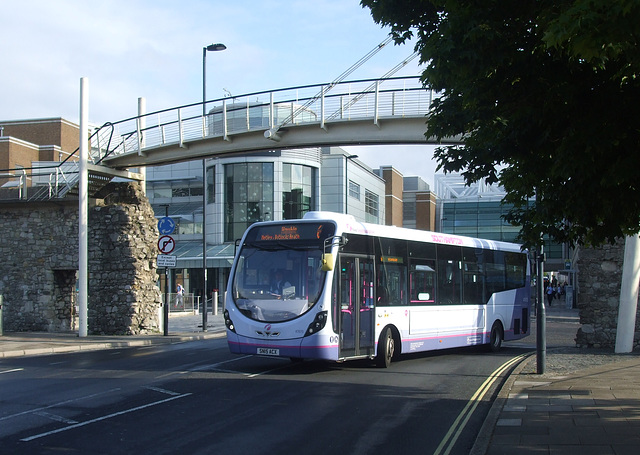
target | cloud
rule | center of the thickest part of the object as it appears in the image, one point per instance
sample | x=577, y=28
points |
x=154, y=49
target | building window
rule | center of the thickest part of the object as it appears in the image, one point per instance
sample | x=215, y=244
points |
x=180, y=192
x=248, y=196
x=298, y=190
x=175, y=190
x=196, y=191
x=371, y=206
x=409, y=211
x=211, y=185
x=354, y=190
x=161, y=192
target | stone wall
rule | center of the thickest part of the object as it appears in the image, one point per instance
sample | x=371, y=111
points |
x=123, y=296
x=38, y=241
x=599, y=279
x=40, y=262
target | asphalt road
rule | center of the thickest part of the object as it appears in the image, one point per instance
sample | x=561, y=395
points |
x=197, y=398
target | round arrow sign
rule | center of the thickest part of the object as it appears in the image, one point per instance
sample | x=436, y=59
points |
x=166, y=225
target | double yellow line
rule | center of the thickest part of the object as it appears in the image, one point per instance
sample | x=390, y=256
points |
x=453, y=434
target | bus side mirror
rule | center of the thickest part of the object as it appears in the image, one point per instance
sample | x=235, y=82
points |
x=327, y=262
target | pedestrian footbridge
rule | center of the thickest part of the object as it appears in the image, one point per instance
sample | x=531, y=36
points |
x=389, y=110
x=381, y=111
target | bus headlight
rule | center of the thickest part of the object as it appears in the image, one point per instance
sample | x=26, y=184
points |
x=318, y=323
x=228, y=322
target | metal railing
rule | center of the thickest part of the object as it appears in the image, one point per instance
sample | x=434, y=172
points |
x=48, y=180
x=186, y=303
x=268, y=111
x=191, y=303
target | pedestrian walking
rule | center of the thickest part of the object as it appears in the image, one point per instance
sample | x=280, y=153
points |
x=180, y=296
x=550, y=294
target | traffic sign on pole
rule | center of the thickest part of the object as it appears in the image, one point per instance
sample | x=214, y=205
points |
x=164, y=260
x=166, y=244
x=166, y=225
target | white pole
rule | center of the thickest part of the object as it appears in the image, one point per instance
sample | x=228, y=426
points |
x=142, y=110
x=628, y=295
x=83, y=208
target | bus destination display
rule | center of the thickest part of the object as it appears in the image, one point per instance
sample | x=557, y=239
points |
x=291, y=232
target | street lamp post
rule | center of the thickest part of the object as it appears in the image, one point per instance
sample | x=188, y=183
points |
x=165, y=310
x=346, y=181
x=210, y=48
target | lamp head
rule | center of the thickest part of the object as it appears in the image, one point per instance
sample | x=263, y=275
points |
x=216, y=47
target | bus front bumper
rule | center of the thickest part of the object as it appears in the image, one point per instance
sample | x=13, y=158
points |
x=311, y=347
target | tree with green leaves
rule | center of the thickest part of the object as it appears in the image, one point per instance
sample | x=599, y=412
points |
x=546, y=95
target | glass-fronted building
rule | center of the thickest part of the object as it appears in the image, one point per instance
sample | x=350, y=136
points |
x=252, y=187
x=477, y=211
x=477, y=218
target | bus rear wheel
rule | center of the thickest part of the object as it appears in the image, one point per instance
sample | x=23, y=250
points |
x=497, y=335
x=386, y=348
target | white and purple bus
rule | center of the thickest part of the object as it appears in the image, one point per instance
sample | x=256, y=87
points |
x=329, y=287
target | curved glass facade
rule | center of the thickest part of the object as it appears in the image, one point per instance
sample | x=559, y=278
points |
x=248, y=196
x=298, y=190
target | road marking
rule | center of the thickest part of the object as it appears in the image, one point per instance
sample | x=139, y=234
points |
x=55, y=417
x=100, y=419
x=269, y=371
x=165, y=391
x=214, y=366
x=31, y=411
x=12, y=371
x=454, y=432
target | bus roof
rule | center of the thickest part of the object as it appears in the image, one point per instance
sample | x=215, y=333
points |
x=348, y=224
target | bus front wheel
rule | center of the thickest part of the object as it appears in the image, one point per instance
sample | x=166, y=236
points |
x=497, y=335
x=386, y=348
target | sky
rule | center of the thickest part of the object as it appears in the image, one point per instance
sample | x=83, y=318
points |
x=153, y=49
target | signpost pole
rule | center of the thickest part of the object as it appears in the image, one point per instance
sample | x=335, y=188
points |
x=541, y=317
x=166, y=302
x=166, y=226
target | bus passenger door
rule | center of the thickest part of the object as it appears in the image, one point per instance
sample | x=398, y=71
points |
x=357, y=330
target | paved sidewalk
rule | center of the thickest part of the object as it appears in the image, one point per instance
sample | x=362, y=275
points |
x=182, y=327
x=594, y=410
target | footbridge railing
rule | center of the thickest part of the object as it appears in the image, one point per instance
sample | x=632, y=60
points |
x=234, y=124
x=268, y=113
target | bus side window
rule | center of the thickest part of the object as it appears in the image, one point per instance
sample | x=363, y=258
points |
x=391, y=272
x=422, y=283
x=391, y=283
x=473, y=276
x=382, y=296
x=516, y=270
x=495, y=272
x=449, y=275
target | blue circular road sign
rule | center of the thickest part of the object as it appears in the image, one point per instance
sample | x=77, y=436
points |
x=166, y=225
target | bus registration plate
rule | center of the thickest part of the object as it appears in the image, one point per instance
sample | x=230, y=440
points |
x=268, y=351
